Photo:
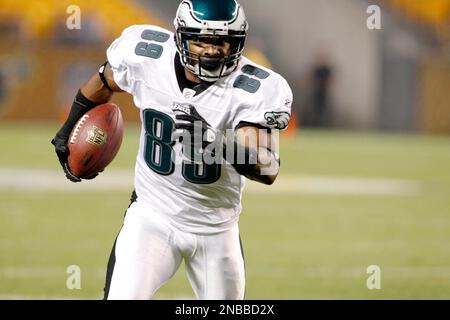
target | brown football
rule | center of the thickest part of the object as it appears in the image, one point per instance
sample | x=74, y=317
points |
x=95, y=140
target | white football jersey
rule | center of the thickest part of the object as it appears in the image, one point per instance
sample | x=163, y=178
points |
x=194, y=197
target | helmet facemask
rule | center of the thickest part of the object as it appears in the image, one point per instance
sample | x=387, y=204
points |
x=206, y=67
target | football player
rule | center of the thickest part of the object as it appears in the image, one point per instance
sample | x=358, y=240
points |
x=191, y=87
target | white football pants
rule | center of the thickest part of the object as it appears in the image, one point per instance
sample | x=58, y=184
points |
x=148, y=252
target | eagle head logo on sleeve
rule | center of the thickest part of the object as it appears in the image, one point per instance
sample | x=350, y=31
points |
x=277, y=120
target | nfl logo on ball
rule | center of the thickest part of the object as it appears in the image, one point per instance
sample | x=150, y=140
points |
x=96, y=136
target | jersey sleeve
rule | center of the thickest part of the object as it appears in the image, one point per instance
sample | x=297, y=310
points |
x=270, y=108
x=126, y=65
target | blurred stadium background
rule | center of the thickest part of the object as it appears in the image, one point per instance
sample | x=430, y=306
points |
x=365, y=174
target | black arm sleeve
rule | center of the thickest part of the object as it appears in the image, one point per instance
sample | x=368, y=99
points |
x=101, y=73
x=80, y=106
x=242, y=158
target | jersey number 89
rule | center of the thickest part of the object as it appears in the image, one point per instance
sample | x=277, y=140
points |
x=158, y=151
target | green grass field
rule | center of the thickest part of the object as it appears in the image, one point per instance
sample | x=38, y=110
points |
x=298, y=245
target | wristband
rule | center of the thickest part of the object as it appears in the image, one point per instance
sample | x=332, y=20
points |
x=80, y=106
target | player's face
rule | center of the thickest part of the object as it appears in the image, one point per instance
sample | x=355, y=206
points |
x=211, y=49
x=210, y=46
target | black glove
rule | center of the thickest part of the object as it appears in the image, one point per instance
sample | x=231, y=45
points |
x=195, y=124
x=211, y=135
x=80, y=106
x=62, y=152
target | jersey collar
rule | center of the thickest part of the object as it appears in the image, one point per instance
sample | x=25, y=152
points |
x=184, y=83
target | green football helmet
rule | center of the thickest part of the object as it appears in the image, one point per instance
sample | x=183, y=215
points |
x=215, y=21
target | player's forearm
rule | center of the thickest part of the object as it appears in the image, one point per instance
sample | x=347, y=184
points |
x=255, y=155
x=80, y=106
x=265, y=179
x=91, y=94
x=94, y=92
x=267, y=167
x=261, y=165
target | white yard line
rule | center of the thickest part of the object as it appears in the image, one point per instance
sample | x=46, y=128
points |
x=37, y=180
x=339, y=186
x=53, y=180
